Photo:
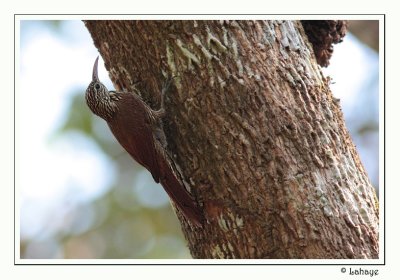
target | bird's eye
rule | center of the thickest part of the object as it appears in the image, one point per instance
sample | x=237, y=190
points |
x=97, y=86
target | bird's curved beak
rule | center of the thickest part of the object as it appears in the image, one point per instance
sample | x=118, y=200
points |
x=95, y=76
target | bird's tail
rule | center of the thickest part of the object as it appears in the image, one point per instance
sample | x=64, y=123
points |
x=179, y=195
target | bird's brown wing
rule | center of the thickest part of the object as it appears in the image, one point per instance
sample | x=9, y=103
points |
x=132, y=126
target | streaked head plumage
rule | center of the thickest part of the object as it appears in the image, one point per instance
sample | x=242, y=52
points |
x=98, y=97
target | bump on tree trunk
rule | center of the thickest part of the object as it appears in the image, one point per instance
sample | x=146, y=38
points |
x=252, y=125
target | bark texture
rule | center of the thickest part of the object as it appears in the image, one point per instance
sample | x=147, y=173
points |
x=254, y=128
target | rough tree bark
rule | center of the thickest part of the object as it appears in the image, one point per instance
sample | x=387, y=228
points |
x=253, y=126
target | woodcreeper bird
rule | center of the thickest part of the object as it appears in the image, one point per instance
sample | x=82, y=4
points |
x=138, y=129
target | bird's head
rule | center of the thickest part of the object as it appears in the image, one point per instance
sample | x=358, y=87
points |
x=98, y=98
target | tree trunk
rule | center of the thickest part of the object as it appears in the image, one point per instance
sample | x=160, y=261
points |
x=253, y=126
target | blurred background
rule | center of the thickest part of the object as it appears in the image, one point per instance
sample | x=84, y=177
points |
x=80, y=195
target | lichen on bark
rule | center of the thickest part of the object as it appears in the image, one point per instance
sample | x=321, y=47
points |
x=253, y=126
